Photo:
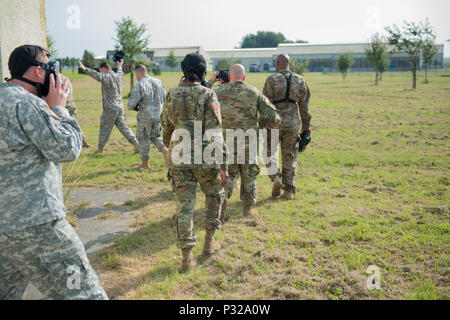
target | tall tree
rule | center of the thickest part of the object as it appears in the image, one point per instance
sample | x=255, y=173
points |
x=171, y=60
x=131, y=38
x=72, y=62
x=88, y=59
x=265, y=39
x=377, y=54
x=344, y=62
x=409, y=40
x=51, y=46
x=429, y=48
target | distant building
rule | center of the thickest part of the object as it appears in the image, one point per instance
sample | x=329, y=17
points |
x=22, y=22
x=161, y=54
x=261, y=57
x=321, y=57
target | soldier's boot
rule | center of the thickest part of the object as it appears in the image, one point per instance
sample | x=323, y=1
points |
x=144, y=165
x=224, y=217
x=248, y=211
x=85, y=143
x=188, y=260
x=136, y=147
x=287, y=195
x=276, y=189
x=99, y=150
x=210, y=246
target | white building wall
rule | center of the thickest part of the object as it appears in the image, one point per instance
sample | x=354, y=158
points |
x=22, y=22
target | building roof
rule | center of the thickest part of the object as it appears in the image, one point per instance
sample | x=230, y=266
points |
x=178, y=51
x=243, y=53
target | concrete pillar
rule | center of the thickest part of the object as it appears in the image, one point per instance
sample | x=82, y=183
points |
x=22, y=22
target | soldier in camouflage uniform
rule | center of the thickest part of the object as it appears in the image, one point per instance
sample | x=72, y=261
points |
x=241, y=107
x=185, y=106
x=113, y=113
x=37, y=244
x=71, y=106
x=147, y=97
x=290, y=94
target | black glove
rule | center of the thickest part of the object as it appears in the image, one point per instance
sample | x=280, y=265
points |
x=303, y=140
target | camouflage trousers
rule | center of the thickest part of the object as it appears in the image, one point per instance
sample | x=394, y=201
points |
x=110, y=118
x=52, y=257
x=288, y=138
x=248, y=173
x=148, y=130
x=184, y=184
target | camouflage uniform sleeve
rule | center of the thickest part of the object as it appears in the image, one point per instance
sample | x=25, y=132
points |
x=268, y=89
x=161, y=93
x=166, y=121
x=135, y=97
x=303, y=105
x=57, y=135
x=268, y=114
x=213, y=121
x=70, y=105
x=120, y=72
x=100, y=77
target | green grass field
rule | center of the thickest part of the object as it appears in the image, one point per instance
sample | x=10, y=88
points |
x=373, y=189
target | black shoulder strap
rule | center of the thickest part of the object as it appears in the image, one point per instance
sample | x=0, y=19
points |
x=288, y=89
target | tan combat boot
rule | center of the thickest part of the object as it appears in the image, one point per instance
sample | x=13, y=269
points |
x=211, y=246
x=188, y=260
x=85, y=143
x=249, y=211
x=136, y=147
x=287, y=195
x=276, y=189
x=99, y=151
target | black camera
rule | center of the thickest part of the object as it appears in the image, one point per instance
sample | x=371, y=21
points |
x=50, y=68
x=303, y=140
x=119, y=55
x=223, y=75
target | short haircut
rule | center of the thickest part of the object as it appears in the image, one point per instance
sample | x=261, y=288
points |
x=140, y=67
x=105, y=65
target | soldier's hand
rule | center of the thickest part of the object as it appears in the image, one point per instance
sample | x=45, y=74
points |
x=57, y=93
x=119, y=63
x=81, y=65
x=224, y=176
x=213, y=77
x=308, y=130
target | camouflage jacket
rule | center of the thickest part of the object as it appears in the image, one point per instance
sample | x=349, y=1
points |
x=112, y=84
x=34, y=140
x=275, y=90
x=242, y=105
x=185, y=105
x=148, y=94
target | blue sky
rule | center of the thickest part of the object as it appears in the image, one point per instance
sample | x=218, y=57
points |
x=220, y=24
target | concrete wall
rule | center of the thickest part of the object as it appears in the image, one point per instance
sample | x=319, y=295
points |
x=22, y=22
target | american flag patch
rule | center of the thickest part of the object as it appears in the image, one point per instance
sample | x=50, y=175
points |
x=216, y=105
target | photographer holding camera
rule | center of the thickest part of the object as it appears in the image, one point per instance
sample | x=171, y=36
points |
x=37, y=243
x=221, y=76
x=113, y=113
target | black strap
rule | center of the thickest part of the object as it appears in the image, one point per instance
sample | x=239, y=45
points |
x=288, y=89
